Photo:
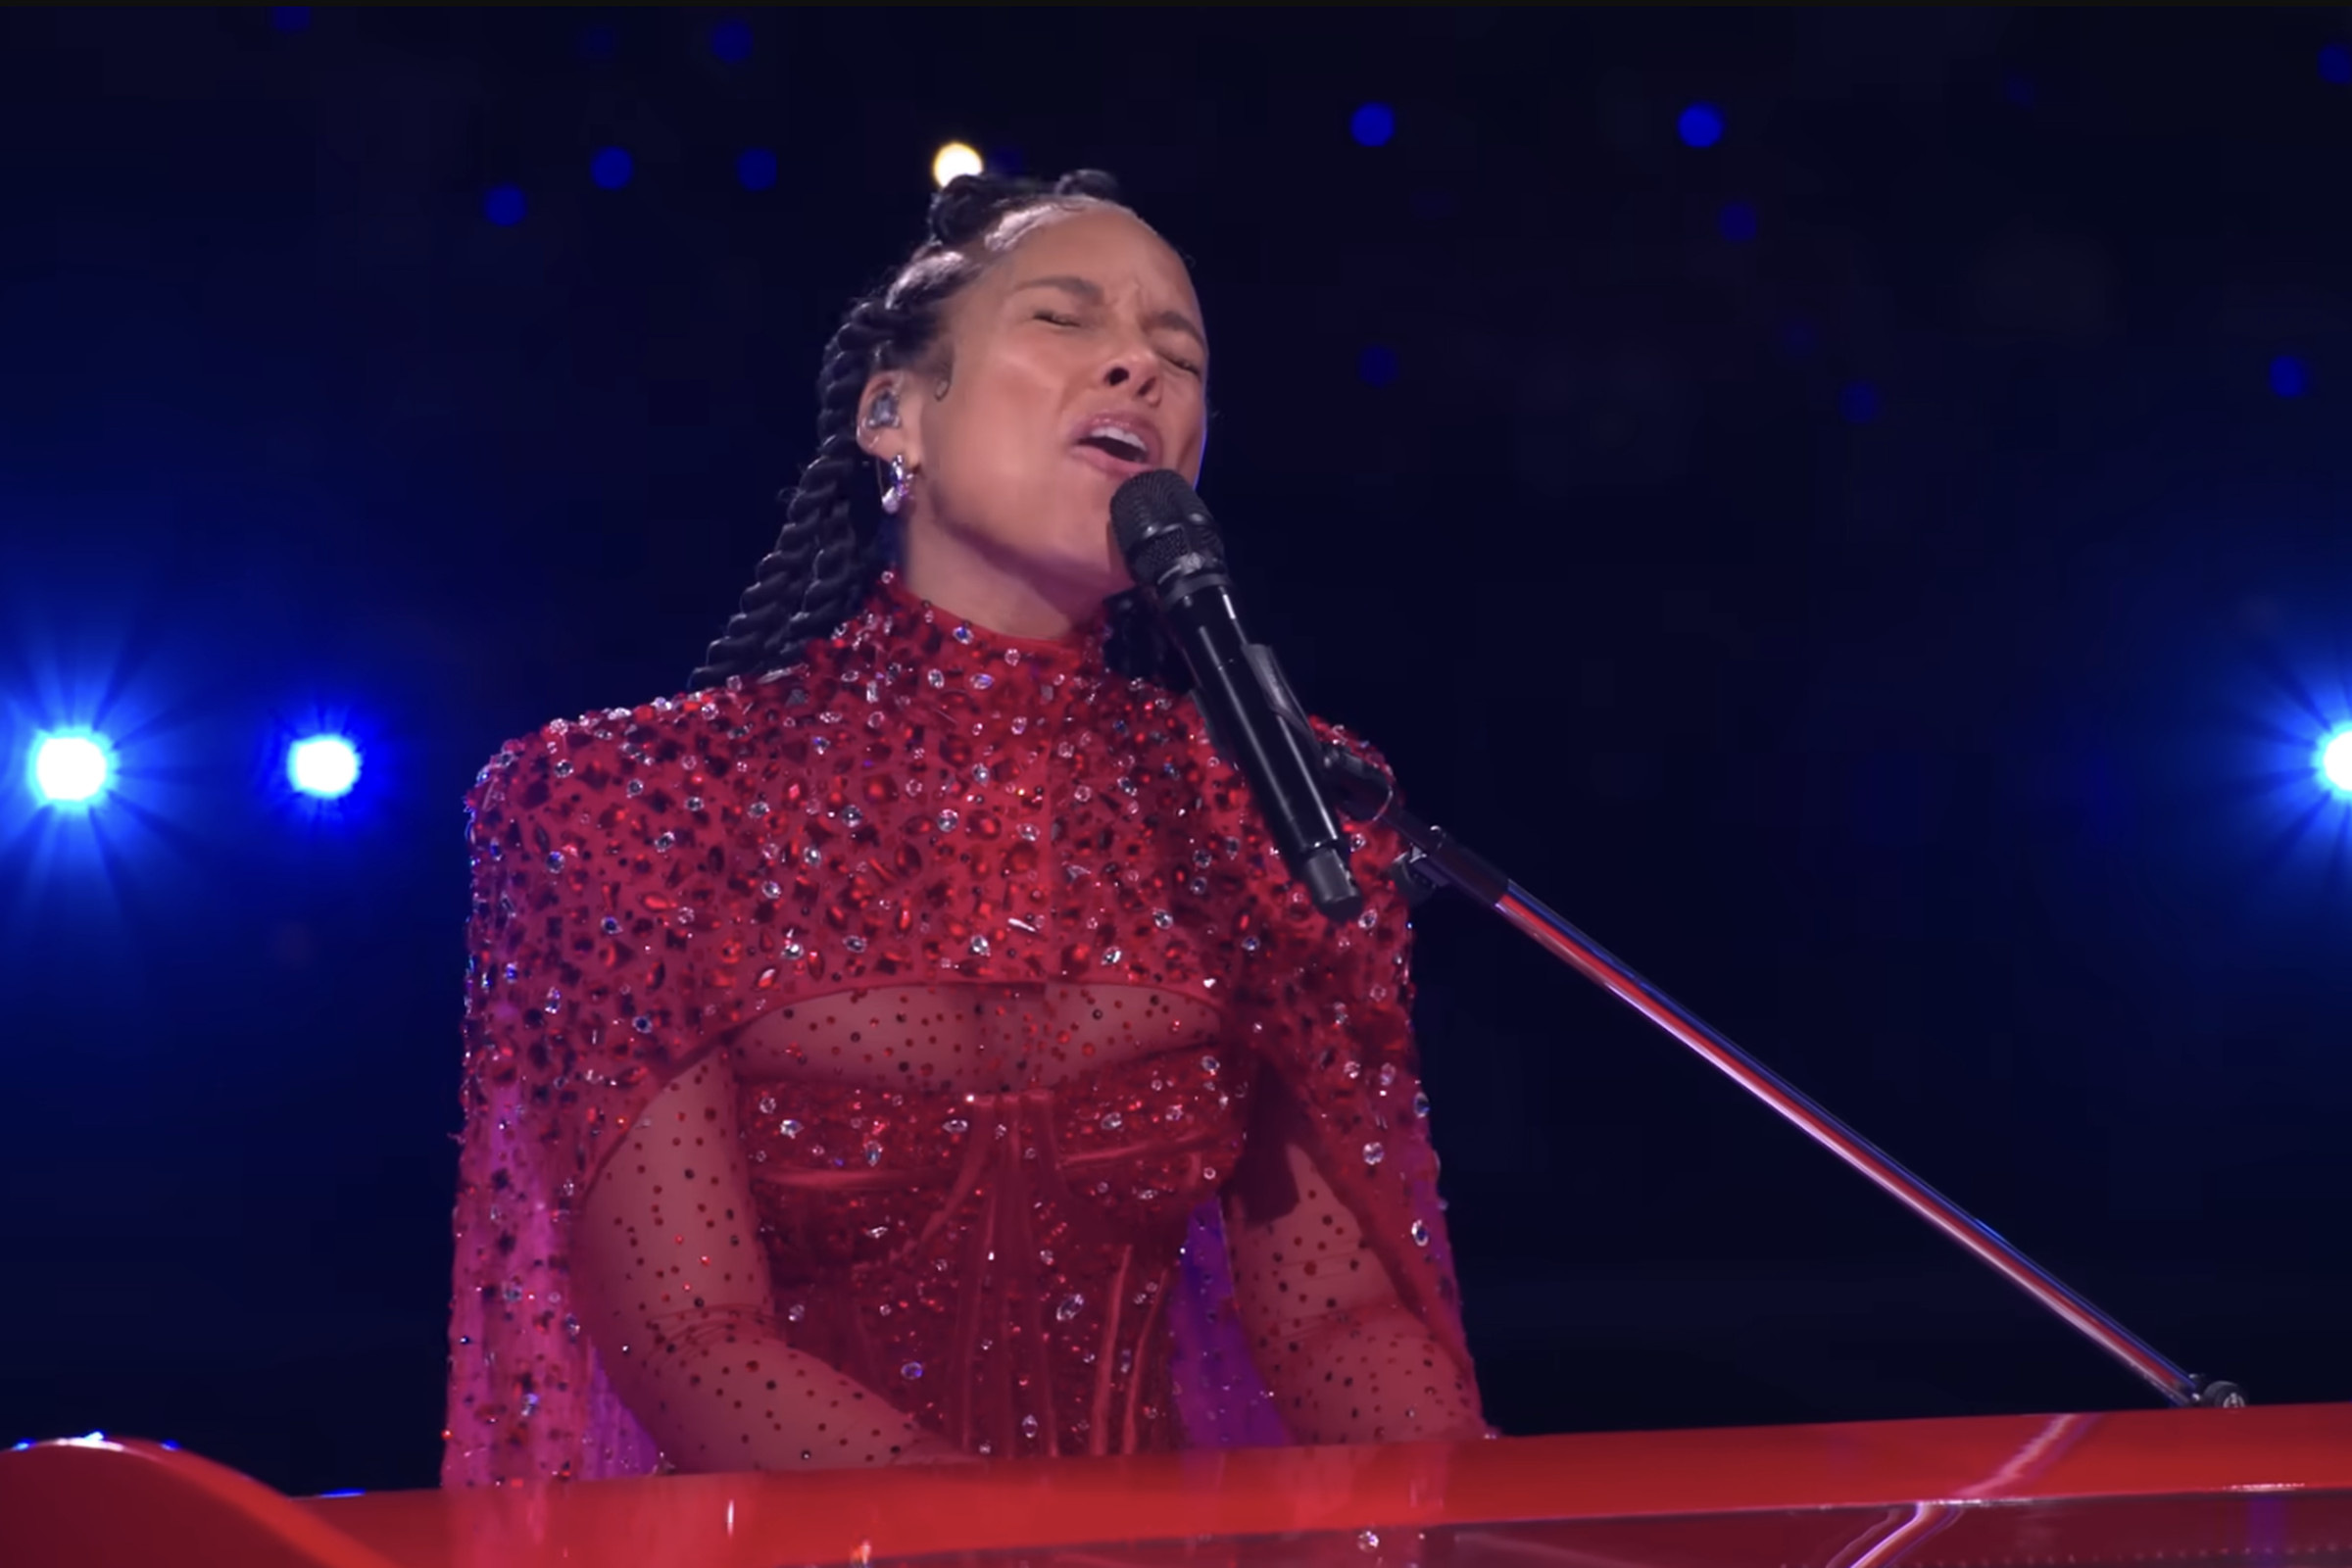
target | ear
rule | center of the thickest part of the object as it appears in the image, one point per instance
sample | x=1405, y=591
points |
x=902, y=439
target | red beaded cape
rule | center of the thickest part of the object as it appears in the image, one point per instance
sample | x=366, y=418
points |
x=921, y=801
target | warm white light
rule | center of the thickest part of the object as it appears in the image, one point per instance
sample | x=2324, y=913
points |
x=70, y=768
x=952, y=160
x=324, y=765
x=2336, y=762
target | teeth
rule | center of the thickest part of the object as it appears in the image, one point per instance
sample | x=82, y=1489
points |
x=1126, y=438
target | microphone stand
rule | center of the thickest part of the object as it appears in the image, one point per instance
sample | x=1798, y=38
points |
x=1435, y=861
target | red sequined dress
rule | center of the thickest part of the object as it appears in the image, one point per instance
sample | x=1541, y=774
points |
x=926, y=820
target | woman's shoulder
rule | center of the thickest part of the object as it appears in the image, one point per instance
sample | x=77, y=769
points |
x=1350, y=740
x=630, y=751
x=1193, y=730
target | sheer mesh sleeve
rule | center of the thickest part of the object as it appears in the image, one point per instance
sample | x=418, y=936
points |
x=580, y=1002
x=1342, y=1164
x=606, y=901
x=674, y=1287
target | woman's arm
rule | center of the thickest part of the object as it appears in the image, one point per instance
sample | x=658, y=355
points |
x=675, y=1294
x=1344, y=1359
x=1342, y=1268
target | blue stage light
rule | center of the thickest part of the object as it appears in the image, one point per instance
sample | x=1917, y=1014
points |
x=1377, y=365
x=612, y=168
x=1372, y=126
x=755, y=168
x=504, y=205
x=1858, y=403
x=323, y=766
x=71, y=770
x=290, y=19
x=2288, y=377
x=731, y=41
x=2336, y=762
x=1700, y=126
x=2335, y=64
x=1738, y=220
x=598, y=41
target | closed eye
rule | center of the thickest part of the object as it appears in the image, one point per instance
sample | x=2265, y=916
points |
x=1059, y=318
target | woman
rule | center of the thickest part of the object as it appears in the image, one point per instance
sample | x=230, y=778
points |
x=908, y=1045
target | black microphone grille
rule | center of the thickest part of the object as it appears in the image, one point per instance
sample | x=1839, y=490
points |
x=1159, y=513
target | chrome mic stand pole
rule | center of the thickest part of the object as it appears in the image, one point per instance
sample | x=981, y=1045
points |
x=1436, y=860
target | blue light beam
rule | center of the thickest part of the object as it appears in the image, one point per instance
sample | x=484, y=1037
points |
x=323, y=767
x=2336, y=762
x=71, y=770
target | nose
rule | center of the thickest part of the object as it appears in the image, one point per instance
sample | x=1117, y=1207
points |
x=1134, y=366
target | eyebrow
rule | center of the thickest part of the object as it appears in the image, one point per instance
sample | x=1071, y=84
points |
x=1091, y=293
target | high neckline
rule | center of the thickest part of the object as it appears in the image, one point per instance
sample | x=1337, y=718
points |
x=901, y=612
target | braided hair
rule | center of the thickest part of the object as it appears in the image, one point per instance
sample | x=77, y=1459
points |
x=832, y=547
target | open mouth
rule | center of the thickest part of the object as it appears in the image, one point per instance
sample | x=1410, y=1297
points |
x=1120, y=442
x=1117, y=444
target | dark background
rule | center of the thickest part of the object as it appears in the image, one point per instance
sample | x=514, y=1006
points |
x=1903, y=632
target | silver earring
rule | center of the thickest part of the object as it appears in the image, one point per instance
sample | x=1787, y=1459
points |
x=901, y=479
x=884, y=415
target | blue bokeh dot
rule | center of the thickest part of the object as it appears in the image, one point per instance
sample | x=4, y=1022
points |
x=612, y=168
x=290, y=19
x=2018, y=88
x=1377, y=365
x=2288, y=377
x=1858, y=403
x=1372, y=125
x=1700, y=126
x=755, y=168
x=2335, y=64
x=599, y=41
x=1738, y=220
x=731, y=41
x=504, y=205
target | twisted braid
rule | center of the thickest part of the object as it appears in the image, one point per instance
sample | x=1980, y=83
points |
x=830, y=548
x=826, y=554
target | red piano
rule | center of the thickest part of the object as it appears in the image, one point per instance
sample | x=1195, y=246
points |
x=2268, y=1486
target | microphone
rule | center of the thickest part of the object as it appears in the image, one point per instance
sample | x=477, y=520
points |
x=1178, y=560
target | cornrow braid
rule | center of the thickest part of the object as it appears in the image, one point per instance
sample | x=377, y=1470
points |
x=830, y=548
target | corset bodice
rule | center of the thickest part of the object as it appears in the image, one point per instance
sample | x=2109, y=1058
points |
x=1067, y=1206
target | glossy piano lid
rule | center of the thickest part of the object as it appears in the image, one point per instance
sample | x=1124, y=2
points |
x=2305, y=1531
x=2267, y=1484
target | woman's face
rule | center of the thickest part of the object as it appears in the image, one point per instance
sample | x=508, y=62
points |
x=1077, y=362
